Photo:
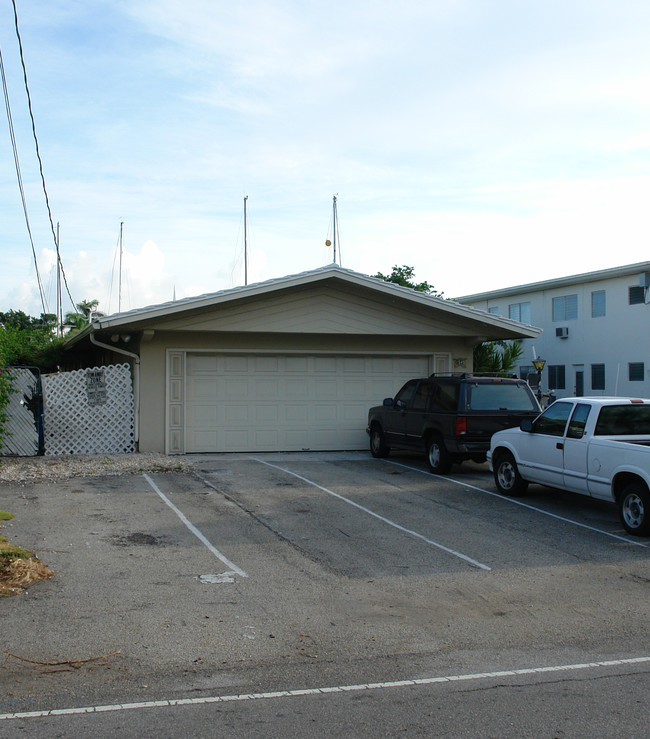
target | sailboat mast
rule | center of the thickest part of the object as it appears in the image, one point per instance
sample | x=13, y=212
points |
x=59, y=306
x=119, y=290
x=245, y=244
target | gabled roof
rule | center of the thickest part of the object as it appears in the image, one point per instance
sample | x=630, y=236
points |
x=580, y=279
x=331, y=274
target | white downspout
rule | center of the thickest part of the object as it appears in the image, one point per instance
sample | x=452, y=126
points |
x=136, y=381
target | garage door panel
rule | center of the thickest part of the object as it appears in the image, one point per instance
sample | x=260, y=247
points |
x=325, y=414
x=236, y=414
x=199, y=363
x=353, y=389
x=236, y=440
x=354, y=364
x=265, y=439
x=325, y=389
x=266, y=364
x=325, y=364
x=236, y=388
x=297, y=388
x=265, y=414
x=201, y=389
x=296, y=413
x=235, y=364
x=203, y=416
x=266, y=389
x=275, y=402
x=296, y=364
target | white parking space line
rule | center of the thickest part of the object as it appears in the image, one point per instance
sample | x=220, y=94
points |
x=328, y=690
x=233, y=567
x=410, y=532
x=514, y=501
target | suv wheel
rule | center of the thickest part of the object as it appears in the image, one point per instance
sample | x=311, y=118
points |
x=438, y=456
x=378, y=447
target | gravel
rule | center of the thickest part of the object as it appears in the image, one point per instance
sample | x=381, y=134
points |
x=33, y=469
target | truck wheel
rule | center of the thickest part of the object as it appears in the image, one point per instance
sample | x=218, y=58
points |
x=378, y=447
x=634, y=507
x=438, y=456
x=507, y=477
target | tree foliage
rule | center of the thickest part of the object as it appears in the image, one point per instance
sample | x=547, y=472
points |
x=75, y=321
x=499, y=357
x=25, y=340
x=405, y=276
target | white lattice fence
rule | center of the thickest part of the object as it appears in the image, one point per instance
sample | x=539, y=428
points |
x=89, y=411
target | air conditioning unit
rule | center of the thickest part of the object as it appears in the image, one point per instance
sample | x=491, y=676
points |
x=562, y=332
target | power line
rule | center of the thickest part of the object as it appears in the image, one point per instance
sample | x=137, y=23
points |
x=38, y=154
x=20, y=180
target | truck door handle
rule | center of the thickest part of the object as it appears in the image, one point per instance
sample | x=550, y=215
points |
x=559, y=445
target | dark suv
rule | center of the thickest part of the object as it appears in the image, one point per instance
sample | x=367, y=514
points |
x=449, y=417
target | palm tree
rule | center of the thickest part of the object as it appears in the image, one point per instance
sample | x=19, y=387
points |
x=498, y=357
x=81, y=318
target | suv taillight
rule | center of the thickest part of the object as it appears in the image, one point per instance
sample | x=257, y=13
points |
x=461, y=425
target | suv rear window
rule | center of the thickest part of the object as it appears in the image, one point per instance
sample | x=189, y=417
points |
x=623, y=420
x=499, y=396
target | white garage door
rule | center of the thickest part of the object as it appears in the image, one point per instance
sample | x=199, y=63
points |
x=260, y=402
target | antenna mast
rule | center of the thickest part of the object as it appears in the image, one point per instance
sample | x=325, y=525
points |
x=335, y=231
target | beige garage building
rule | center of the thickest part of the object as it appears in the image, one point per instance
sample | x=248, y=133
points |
x=289, y=364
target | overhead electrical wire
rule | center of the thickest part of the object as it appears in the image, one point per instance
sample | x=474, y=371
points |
x=20, y=180
x=40, y=161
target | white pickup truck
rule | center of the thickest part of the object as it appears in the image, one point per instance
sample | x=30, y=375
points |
x=594, y=446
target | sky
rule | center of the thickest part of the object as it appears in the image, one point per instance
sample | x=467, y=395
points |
x=485, y=143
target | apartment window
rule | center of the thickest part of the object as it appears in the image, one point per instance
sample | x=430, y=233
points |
x=636, y=371
x=494, y=310
x=598, y=304
x=565, y=308
x=597, y=376
x=519, y=312
x=525, y=370
x=636, y=294
x=556, y=377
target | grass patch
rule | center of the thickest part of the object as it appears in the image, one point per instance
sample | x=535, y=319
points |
x=18, y=566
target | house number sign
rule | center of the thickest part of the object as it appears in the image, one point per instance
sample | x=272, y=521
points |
x=96, y=386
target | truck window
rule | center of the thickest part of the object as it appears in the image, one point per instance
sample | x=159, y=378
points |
x=623, y=420
x=578, y=420
x=500, y=396
x=445, y=398
x=553, y=421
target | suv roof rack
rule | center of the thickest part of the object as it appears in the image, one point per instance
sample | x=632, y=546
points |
x=466, y=375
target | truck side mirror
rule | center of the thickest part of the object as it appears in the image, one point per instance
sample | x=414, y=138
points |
x=526, y=425
x=388, y=402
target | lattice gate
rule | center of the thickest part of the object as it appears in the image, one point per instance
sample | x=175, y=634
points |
x=89, y=411
x=24, y=414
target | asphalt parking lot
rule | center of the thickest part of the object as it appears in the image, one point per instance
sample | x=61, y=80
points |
x=329, y=585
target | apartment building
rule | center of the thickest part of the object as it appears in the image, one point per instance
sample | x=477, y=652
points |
x=595, y=329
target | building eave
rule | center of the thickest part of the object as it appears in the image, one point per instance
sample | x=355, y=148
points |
x=558, y=282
